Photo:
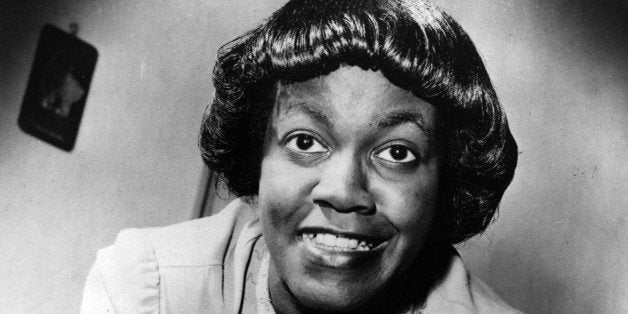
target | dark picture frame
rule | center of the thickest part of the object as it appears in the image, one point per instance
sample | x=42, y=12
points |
x=57, y=88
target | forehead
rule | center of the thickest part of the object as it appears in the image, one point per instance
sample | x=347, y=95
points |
x=347, y=85
x=351, y=95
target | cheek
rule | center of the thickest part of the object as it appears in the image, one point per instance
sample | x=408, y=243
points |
x=409, y=206
x=283, y=190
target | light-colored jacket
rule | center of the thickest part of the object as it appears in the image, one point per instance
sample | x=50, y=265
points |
x=199, y=266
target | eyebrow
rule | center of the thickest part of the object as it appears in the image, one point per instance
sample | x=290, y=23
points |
x=391, y=120
x=319, y=114
x=400, y=117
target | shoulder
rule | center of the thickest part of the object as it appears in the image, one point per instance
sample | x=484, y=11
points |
x=460, y=292
x=131, y=269
x=486, y=300
x=200, y=242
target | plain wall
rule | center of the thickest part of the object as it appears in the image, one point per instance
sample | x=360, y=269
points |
x=559, y=67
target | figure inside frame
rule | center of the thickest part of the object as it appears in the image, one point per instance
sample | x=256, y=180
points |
x=363, y=139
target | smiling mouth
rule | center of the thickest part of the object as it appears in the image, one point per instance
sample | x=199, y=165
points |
x=340, y=250
x=338, y=243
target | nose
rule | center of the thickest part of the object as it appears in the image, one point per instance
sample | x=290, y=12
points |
x=343, y=186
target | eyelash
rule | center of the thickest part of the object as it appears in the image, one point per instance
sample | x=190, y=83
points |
x=385, y=154
x=409, y=156
x=292, y=143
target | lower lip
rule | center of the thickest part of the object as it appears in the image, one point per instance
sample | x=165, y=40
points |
x=325, y=257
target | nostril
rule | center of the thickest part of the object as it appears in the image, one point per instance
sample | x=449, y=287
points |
x=364, y=210
x=325, y=204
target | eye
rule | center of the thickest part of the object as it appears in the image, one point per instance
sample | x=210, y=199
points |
x=305, y=143
x=396, y=154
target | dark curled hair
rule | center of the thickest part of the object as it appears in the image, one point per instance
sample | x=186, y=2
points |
x=415, y=46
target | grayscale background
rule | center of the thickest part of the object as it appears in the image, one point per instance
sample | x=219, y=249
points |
x=559, y=245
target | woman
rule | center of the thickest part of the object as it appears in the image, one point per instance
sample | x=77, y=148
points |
x=364, y=139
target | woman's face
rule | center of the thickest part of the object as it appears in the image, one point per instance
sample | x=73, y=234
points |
x=348, y=187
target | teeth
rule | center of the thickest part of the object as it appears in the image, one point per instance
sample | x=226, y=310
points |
x=342, y=242
x=353, y=243
x=337, y=243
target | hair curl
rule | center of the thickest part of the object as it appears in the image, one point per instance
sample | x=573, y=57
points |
x=416, y=46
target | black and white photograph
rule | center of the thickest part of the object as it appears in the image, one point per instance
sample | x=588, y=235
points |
x=314, y=156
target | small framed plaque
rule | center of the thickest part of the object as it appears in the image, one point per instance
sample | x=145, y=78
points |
x=57, y=88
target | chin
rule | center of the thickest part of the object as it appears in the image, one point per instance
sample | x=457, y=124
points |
x=328, y=299
x=336, y=291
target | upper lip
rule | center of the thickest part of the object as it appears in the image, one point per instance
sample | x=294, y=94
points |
x=370, y=237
